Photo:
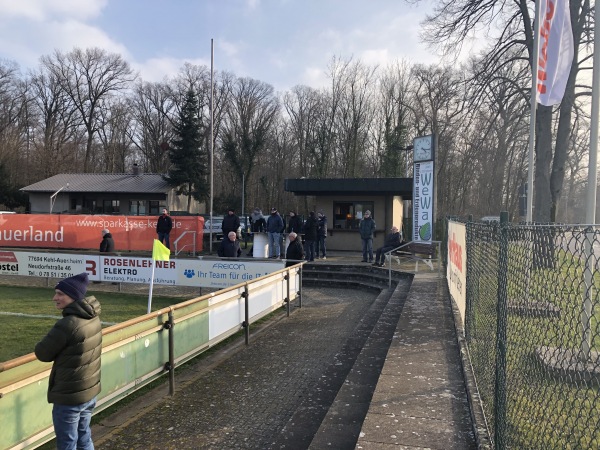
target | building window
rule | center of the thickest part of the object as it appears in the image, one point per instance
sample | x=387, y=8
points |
x=137, y=207
x=111, y=206
x=154, y=207
x=347, y=215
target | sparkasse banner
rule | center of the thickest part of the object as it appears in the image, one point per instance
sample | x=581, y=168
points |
x=64, y=231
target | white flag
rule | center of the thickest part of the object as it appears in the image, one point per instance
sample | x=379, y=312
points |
x=555, y=42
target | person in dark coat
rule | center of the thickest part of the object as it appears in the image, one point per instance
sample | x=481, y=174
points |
x=230, y=246
x=274, y=229
x=366, y=227
x=391, y=242
x=231, y=222
x=107, y=244
x=164, y=225
x=294, y=252
x=311, y=228
x=321, y=235
x=294, y=224
x=74, y=345
x=258, y=224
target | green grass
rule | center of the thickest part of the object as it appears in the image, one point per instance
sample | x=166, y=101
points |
x=20, y=334
x=543, y=410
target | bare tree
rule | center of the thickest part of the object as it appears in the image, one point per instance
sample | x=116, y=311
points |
x=56, y=125
x=89, y=77
x=455, y=20
x=152, y=107
x=250, y=116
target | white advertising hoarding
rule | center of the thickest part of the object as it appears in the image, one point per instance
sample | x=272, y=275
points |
x=123, y=269
x=457, y=265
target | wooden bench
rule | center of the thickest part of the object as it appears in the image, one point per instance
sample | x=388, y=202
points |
x=420, y=251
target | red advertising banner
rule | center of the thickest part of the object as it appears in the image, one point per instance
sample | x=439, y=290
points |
x=84, y=232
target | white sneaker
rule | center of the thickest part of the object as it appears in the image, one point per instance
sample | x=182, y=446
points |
x=324, y=257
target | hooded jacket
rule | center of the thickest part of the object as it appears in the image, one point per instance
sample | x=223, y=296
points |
x=75, y=345
x=107, y=244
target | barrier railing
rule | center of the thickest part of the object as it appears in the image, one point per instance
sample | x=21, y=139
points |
x=139, y=351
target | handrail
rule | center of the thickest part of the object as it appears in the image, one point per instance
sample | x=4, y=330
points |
x=179, y=238
x=389, y=254
x=201, y=323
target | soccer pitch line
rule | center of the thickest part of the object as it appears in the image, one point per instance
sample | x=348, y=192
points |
x=43, y=316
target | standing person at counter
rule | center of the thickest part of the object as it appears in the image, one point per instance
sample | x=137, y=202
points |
x=294, y=224
x=274, y=229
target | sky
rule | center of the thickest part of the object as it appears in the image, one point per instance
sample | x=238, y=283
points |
x=281, y=42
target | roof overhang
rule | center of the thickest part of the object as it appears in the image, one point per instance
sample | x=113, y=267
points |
x=350, y=186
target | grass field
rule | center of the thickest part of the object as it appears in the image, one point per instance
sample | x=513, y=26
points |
x=20, y=333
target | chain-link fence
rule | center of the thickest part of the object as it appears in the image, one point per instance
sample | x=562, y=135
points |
x=533, y=332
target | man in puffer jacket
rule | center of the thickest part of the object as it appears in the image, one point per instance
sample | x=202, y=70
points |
x=74, y=344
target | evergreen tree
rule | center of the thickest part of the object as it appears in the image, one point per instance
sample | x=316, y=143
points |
x=189, y=161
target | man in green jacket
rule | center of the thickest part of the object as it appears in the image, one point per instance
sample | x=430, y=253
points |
x=74, y=344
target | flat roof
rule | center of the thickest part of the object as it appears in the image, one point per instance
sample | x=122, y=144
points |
x=349, y=186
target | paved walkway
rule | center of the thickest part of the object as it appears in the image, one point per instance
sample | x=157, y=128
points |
x=309, y=374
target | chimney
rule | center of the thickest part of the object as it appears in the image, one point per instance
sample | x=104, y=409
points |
x=136, y=169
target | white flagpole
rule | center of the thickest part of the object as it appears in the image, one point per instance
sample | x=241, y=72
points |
x=590, y=213
x=151, y=286
x=534, y=70
x=212, y=151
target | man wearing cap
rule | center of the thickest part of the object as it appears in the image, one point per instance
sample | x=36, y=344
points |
x=274, y=229
x=366, y=227
x=231, y=222
x=74, y=346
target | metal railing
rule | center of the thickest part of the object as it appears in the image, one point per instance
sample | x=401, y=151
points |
x=193, y=244
x=138, y=351
x=532, y=326
x=429, y=262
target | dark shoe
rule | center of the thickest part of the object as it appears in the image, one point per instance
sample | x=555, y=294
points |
x=364, y=260
x=376, y=264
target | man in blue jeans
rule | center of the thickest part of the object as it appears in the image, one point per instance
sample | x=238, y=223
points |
x=74, y=344
x=274, y=229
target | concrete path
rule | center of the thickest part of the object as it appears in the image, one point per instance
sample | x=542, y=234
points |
x=307, y=375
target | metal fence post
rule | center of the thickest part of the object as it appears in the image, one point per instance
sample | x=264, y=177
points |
x=300, y=291
x=286, y=277
x=171, y=327
x=501, y=324
x=246, y=323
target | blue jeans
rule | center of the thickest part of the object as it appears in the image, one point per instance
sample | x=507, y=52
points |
x=274, y=249
x=321, y=246
x=367, y=249
x=164, y=239
x=72, y=426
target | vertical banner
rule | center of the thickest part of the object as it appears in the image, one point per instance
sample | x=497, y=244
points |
x=555, y=41
x=456, y=272
x=423, y=191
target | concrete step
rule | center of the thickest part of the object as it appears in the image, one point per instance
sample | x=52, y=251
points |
x=312, y=414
